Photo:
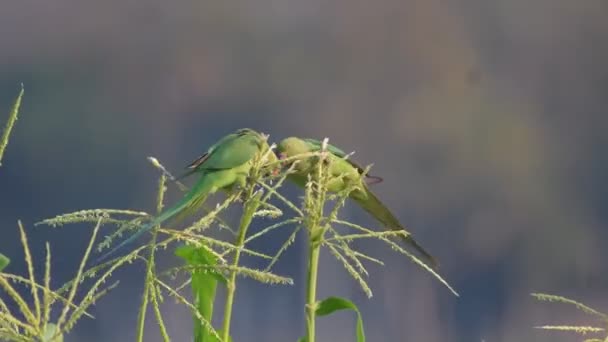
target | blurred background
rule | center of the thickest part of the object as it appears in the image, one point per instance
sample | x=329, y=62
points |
x=487, y=120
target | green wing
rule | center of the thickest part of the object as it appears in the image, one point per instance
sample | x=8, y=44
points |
x=316, y=145
x=230, y=151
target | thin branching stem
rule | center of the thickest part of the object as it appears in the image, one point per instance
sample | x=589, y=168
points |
x=288, y=242
x=149, y=286
x=579, y=329
x=315, y=196
x=46, y=296
x=30, y=271
x=253, y=200
x=184, y=301
x=314, y=250
x=201, y=240
x=12, y=293
x=272, y=190
x=157, y=313
x=54, y=295
x=251, y=205
x=77, y=279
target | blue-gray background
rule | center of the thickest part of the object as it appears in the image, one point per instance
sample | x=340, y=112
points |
x=487, y=120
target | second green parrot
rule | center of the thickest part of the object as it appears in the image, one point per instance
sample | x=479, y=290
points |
x=344, y=173
x=227, y=163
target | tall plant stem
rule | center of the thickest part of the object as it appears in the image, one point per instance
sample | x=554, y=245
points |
x=315, y=197
x=150, y=291
x=311, y=289
x=251, y=205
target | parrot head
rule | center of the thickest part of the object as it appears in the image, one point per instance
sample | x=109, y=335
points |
x=291, y=147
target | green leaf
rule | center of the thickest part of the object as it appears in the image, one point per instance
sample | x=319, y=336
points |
x=332, y=304
x=49, y=332
x=4, y=261
x=204, y=284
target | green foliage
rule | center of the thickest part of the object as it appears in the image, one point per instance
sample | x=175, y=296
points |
x=332, y=304
x=4, y=261
x=220, y=260
x=12, y=118
x=321, y=227
x=208, y=261
x=254, y=200
x=579, y=329
x=204, y=284
x=33, y=322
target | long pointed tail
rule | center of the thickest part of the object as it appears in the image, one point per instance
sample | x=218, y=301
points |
x=370, y=203
x=195, y=197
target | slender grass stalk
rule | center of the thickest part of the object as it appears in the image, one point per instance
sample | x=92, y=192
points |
x=154, y=290
x=311, y=293
x=46, y=296
x=315, y=198
x=251, y=205
x=150, y=292
x=12, y=118
x=159, y=317
x=74, y=288
x=253, y=200
x=579, y=329
x=30, y=269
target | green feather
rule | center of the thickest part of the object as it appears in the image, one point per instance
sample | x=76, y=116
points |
x=225, y=164
x=345, y=173
x=316, y=145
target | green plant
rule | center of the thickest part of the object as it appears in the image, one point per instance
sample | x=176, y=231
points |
x=4, y=261
x=323, y=232
x=207, y=261
x=36, y=323
x=202, y=253
x=151, y=292
x=204, y=282
x=579, y=329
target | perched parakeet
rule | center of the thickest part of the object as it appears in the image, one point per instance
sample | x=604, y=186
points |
x=227, y=163
x=345, y=173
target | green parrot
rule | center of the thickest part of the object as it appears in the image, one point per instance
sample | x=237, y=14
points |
x=344, y=173
x=227, y=163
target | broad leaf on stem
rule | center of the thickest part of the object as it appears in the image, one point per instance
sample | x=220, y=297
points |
x=4, y=261
x=204, y=283
x=332, y=304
